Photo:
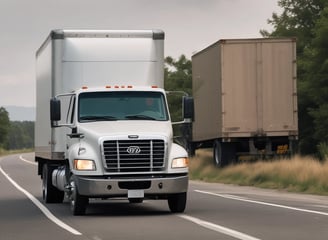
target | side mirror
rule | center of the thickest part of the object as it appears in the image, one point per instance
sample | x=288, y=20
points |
x=54, y=110
x=188, y=108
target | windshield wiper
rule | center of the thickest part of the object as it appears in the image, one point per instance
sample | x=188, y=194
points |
x=140, y=117
x=98, y=118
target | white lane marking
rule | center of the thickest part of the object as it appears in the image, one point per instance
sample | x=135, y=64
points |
x=234, y=196
x=218, y=228
x=27, y=161
x=263, y=203
x=37, y=203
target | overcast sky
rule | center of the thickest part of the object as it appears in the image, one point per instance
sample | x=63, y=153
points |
x=189, y=25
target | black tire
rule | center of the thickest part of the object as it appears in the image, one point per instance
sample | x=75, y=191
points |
x=78, y=202
x=177, y=202
x=223, y=153
x=50, y=193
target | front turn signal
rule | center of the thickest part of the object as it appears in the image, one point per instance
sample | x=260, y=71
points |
x=180, y=162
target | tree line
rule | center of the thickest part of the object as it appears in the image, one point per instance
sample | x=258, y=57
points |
x=15, y=134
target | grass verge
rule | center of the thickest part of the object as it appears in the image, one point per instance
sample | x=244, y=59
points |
x=299, y=174
x=4, y=152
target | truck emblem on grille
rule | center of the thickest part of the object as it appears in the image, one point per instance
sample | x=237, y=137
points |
x=133, y=150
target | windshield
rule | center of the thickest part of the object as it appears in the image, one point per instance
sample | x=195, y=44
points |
x=111, y=106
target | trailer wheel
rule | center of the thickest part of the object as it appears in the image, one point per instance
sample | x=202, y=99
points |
x=78, y=202
x=50, y=193
x=177, y=202
x=223, y=153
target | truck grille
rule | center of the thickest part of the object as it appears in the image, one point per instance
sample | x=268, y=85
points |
x=134, y=156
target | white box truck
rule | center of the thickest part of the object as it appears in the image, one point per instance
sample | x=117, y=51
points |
x=245, y=98
x=103, y=127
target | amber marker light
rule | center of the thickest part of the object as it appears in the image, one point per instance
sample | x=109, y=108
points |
x=180, y=162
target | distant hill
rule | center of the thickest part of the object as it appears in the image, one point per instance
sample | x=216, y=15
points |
x=17, y=113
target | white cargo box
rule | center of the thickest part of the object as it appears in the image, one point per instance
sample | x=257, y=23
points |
x=71, y=59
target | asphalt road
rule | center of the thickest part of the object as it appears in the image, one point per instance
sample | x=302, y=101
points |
x=214, y=211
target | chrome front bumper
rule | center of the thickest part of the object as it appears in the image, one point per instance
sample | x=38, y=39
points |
x=108, y=187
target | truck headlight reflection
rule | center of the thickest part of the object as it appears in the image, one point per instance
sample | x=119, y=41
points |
x=84, y=165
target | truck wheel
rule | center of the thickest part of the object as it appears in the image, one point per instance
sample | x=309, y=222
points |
x=223, y=153
x=78, y=202
x=50, y=193
x=177, y=202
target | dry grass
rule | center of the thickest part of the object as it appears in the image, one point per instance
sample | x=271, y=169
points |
x=299, y=174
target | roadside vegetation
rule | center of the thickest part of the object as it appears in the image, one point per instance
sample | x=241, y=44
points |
x=4, y=152
x=15, y=135
x=299, y=174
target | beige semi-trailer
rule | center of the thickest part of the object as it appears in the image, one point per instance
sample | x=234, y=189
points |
x=245, y=98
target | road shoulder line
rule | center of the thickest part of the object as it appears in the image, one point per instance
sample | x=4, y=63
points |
x=262, y=203
x=27, y=161
x=218, y=228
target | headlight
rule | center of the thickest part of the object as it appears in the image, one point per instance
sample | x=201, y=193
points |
x=84, y=165
x=180, y=162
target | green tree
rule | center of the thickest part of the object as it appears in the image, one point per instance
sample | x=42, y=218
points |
x=177, y=78
x=178, y=74
x=297, y=20
x=20, y=135
x=301, y=19
x=317, y=78
x=4, y=125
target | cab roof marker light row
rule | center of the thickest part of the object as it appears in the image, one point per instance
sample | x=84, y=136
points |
x=117, y=86
x=129, y=86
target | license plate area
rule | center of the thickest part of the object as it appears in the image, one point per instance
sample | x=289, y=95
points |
x=136, y=193
x=282, y=149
